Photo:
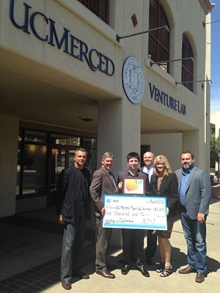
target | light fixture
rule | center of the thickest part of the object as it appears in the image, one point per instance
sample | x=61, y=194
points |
x=118, y=38
x=205, y=23
x=86, y=119
x=168, y=61
x=193, y=81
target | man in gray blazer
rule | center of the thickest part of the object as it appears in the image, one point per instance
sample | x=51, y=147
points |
x=194, y=195
x=103, y=183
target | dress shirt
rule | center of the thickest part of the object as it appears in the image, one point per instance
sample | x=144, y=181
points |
x=149, y=171
x=183, y=184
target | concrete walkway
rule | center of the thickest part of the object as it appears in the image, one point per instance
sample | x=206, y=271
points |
x=30, y=250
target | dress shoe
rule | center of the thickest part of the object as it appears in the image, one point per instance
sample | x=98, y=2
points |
x=105, y=274
x=187, y=270
x=80, y=275
x=199, y=277
x=149, y=261
x=143, y=270
x=125, y=270
x=66, y=285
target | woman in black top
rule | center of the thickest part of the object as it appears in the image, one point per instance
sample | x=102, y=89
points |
x=164, y=183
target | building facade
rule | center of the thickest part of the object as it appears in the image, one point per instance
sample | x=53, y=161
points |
x=109, y=75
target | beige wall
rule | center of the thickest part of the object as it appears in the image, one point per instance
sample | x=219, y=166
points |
x=168, y=144
x=8, y=164
x=119, y=126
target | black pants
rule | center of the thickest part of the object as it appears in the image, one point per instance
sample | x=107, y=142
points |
x=133, y=241
x=151, y=244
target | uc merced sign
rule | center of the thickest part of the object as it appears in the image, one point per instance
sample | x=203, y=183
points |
x=69, y=43
x=133, y=80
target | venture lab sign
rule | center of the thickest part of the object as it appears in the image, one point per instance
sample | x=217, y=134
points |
x=166, y=100
x=70, y=44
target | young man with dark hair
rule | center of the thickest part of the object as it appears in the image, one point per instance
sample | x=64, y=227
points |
x=133, y=239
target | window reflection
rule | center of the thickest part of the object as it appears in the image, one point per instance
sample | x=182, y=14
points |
x=34, y=167
x=42, y=156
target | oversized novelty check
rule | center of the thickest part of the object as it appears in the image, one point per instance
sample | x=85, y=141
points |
x=135, y=212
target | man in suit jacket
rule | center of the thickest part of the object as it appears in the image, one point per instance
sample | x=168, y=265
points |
x=72, y=201
x=133, y=239
x=194, y=194
x=103, y=183
x=151, y=248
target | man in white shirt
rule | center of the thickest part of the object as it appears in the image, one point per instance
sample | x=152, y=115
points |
x=151, y=248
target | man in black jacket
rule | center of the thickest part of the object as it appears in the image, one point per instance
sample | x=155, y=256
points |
x=73, y=207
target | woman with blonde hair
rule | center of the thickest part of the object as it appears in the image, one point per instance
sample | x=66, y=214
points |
x=164, y=183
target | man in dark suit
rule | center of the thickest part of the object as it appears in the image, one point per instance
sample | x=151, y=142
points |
x=133, y=239
x=194, y=193
x=151, y=248
x=72, y=201
x=103, y=183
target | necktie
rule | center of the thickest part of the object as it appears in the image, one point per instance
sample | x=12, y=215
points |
x=149, y=175
x=113, y=178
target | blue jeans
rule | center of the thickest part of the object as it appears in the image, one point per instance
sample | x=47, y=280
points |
x=73, y=240
x=195, y=235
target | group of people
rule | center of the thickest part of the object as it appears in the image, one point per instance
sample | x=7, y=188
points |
x=187, y=191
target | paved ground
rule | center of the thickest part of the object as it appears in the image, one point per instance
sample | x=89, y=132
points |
x=30, y=256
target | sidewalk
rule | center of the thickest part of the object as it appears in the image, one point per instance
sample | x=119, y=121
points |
x=30, y=258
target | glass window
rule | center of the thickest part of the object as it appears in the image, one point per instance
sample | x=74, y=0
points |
x=31, y=164
x=43, y=155
x=159, y=41
x=65, y=139
x=34, y=169
x=187, y=65
x=98, y=7
x=19, y=162
x=35, y=136
x=91, y=160
x=89, y=143
x=58, y=163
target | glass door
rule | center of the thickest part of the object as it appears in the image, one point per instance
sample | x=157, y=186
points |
x=60, y=157
x=57, y=164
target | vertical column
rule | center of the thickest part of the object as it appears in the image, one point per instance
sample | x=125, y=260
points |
x=118, y=132
x=194, y=141
x=8, y=162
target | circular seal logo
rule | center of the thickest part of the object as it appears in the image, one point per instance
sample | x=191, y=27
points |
x=133, y=80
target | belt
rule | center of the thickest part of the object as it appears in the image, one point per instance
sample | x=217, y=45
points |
x=183, y=209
